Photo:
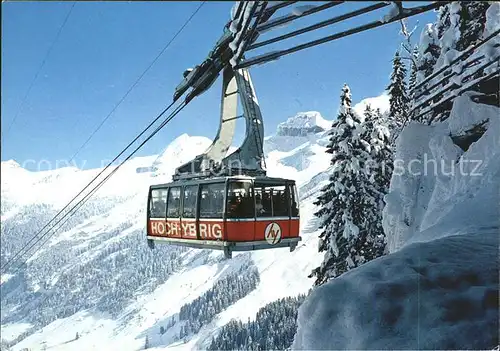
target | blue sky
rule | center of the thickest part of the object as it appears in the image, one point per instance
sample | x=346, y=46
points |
x=105, y=46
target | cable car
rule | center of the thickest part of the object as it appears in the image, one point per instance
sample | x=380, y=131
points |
x=220, y=201
x=236, y=213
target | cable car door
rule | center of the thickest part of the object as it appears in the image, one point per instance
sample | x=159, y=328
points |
x=173, y=222
x=240, y=211
x=189, y=225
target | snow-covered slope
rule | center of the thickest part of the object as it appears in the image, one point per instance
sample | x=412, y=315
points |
x=97, y=278
x=437, y=295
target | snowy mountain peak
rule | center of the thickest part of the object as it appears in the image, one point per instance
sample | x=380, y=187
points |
x=377, y=102
x=181, y=145
x=303, y=123
x=181, y=150
x=10, y=164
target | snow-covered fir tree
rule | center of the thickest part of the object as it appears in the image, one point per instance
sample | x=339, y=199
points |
x=376, y=137
x=398, y=95
x=348, y=200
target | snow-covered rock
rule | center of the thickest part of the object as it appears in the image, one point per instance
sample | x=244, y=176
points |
x=436, y=295
x=435, y=181
x=302, y=124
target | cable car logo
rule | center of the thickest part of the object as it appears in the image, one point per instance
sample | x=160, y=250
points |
x=273, y=233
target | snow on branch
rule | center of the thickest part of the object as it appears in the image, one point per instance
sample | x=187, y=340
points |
x=395, y=10
x=407, y=46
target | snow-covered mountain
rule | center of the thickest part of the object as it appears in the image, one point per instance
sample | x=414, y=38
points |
x=96, y=284
x=302, y=124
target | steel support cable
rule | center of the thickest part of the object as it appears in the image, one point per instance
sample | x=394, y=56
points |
x=274, y=8
x=82, y=201
x=322, y=24
x=137, y=81
x=248, y=38
x=110, y=113
x=93, y=191
x=239, y=15
x=49, y=50
x=90, y=183
x=238, y=10
x=288, y=18
x=277, y=54
x=246, y=24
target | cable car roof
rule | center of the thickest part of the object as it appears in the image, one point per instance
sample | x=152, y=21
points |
x=262, y=179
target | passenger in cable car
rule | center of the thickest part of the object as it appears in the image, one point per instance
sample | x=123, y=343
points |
x=234, y=205
x=266, y=203
x=247, y=205
x=259, y=208
x=158, y=209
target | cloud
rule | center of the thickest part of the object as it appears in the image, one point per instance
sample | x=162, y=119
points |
x=381, y=102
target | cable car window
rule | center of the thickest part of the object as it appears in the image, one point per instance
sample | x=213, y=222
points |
x=212, y=200
x=189, y=201
x=295, y=201
x=263, y=201
x=157, y=204
x=271, y=200
x=173, y=205
x=240, y=202
x=280, y=201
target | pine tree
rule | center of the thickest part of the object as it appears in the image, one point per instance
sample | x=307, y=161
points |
x=341, y=201
x=398, y=97
x=377, y=135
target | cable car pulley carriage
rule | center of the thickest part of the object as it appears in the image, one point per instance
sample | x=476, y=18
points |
x=220, y=201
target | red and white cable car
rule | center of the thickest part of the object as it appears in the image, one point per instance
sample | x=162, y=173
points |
x=220, y=201
x=236, y=213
